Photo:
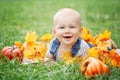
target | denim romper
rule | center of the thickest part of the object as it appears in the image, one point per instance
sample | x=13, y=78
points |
x=75, y=48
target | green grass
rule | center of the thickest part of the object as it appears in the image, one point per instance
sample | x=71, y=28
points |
x=17, y=17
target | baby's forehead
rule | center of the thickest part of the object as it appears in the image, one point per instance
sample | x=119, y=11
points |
x=67, y=15
x=66, y=12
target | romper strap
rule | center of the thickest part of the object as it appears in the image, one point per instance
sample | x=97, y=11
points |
x=54, y=46
x=76, y=47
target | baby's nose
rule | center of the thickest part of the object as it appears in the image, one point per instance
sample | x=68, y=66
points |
x=67, y=30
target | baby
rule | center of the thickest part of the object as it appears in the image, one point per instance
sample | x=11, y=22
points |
x=67, y=30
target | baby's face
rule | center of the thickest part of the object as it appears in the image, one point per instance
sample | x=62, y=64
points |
x=67, y=29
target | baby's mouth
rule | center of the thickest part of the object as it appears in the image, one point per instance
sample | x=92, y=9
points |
x=67, y=37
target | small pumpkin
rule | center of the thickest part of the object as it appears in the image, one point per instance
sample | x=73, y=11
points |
x=12, y=52
x=92, y=66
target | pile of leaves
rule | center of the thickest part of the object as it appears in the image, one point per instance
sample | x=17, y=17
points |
x=34, y=48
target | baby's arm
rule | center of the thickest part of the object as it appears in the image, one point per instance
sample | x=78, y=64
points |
x=48, y=57
x=112, y=44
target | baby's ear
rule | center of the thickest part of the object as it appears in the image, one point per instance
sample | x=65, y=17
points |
x=80, y=31
x=53, y=31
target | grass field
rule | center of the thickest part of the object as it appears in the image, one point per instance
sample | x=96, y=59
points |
x=17, y=17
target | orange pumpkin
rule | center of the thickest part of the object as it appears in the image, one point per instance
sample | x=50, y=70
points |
x=92, y=66
x=12, y=52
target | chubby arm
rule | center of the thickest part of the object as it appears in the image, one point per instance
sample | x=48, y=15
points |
x=112, y=44
x=49, y=57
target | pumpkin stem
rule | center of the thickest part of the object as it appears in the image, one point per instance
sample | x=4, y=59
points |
x=84, y=66
x=14, y=47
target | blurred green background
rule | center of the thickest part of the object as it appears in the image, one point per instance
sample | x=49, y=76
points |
x=17, y=17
